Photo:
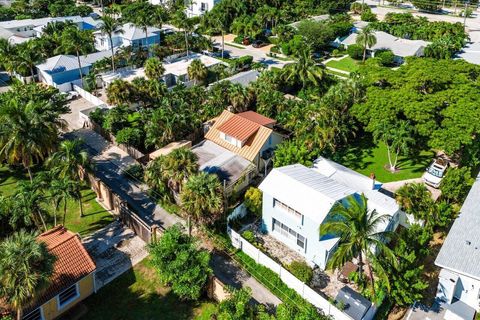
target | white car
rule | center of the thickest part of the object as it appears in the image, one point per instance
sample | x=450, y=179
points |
x=435, y=172
x=71, y=95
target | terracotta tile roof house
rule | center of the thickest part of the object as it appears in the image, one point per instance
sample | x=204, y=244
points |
x=235, y=145
x=73, y=276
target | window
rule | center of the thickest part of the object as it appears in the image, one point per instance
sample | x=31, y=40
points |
x=34, y=315
x=288, y=233
x=203, y=6
x=68, y=296
x=286, y=208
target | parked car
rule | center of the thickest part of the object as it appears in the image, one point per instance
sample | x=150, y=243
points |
x=71, y=95
x=258, y=44
x=435, y=172
x=216, y=54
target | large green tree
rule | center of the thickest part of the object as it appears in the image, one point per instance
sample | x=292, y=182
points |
x=25, y=270
x=180, y=263
x=108, y=27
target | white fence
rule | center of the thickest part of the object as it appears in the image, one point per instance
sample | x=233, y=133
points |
x=89, y=97
x=290, y=280
x=238, y=212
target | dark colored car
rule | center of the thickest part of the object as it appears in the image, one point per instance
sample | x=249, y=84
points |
x=258, y=44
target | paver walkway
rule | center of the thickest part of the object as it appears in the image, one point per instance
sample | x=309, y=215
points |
x=109, y=162
x=115, y=249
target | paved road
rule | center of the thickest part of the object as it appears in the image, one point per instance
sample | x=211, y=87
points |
x=110, y=161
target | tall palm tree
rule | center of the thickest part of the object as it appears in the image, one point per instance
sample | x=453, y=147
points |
x=181, y=21
x=79, y=42
x=27, y=133
x=68, y=162
x=26, y=268
x=144, y=19
x=202, y=198
x=415, y=199
x=61, y=190
x=197, y=71
x=108, y=27
x=357, y=228
x=29, y=54
x=304, y=69
x=8, y=54
x=239, y=97
x=28, y=202
x=119, y=92
x=366, y=39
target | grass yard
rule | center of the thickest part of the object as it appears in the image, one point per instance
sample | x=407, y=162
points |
x=235, y=45
x=95, y=216
x=365, y=157
x=138, y=294
x=345, y=64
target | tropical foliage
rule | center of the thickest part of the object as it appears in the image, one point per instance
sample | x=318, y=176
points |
x=180, y=263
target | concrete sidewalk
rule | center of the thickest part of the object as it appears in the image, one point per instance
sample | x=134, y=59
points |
x=109, y=163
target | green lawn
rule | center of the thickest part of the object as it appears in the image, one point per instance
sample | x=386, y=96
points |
x=95, y=216
x=345, y=64
x=138, y=294
x=367, y=158
x=234, y=45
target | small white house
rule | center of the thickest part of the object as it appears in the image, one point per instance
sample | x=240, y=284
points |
x=297, y=200
x=200, y=7
x=459, y=257
x=127, y=35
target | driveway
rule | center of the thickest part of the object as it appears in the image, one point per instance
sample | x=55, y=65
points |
x=115, y=249
x=394, y=186
x=73, y=117
x=421, y=312
x=109, y=162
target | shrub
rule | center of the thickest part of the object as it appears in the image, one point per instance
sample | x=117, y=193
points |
x=239, y=39
x=386, y=57
x=97, y=116
x=358, y=8
x=368, y=16
x=456, y=184
x=249, y=236
x=301, y=270
x=129, y=136
x=275, y=49
x=355, y=51
x=253, y=200
x=135, y=172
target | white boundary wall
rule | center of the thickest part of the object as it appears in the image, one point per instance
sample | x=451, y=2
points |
x=291, y=281
x=89, y=97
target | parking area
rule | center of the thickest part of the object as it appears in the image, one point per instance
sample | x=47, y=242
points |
x=73, y=118
x=115, y=249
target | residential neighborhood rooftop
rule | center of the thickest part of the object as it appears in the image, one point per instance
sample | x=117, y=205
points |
x=471, y=53
x=62, y=63
x=180, y=66
x=461, y=250
x=73, y=261
x=243, y=78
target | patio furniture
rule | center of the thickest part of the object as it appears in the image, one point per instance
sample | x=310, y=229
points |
x=347, y=269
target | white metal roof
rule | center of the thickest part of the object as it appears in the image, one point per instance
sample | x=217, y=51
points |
x=461, y=250
x=400, y=47
x=179, y=67
x=38, y=22
x=62, y=63
x=471, y=53
x=305, y=190
x=132, y=32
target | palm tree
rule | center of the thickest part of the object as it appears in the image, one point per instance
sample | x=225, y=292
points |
x=179, y=165
x=8, y=54
x=197, y=71
x=304, y=70
x=239, y=97
x=415, y=199
x=108, y=27
x=26, y=268
x=357, y=228
x=144, y=19
x=154, y=68
x=181, y=21
x=68, y=162
x=28, y=202
x=119, y=92
x=61, y=190
x=366, y=39
x=202, y=198
x=29, y=54
x=27, y=134
x=80, y=42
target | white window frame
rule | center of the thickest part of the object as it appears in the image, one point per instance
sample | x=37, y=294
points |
x=286, y=208
x=41, y=313
x=288, y=233
x=69, y=301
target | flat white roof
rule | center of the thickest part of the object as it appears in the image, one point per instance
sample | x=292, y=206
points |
x=180, y=66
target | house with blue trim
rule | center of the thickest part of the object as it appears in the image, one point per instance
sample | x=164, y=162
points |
x=61, y=70
x=297, y=200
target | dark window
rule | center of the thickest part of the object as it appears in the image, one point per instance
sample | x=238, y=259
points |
x=68, y=295
x=34, y=315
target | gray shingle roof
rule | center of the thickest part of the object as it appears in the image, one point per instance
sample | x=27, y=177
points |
x=461, y=250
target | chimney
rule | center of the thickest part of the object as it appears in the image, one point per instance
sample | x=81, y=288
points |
x=372, y=176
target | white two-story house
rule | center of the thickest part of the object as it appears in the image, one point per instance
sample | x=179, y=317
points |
x=128, y=35
x=459, y=258
x=297, y=200
x=199, y=7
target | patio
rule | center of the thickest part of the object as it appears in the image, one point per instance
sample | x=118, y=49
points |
x=325, y=282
